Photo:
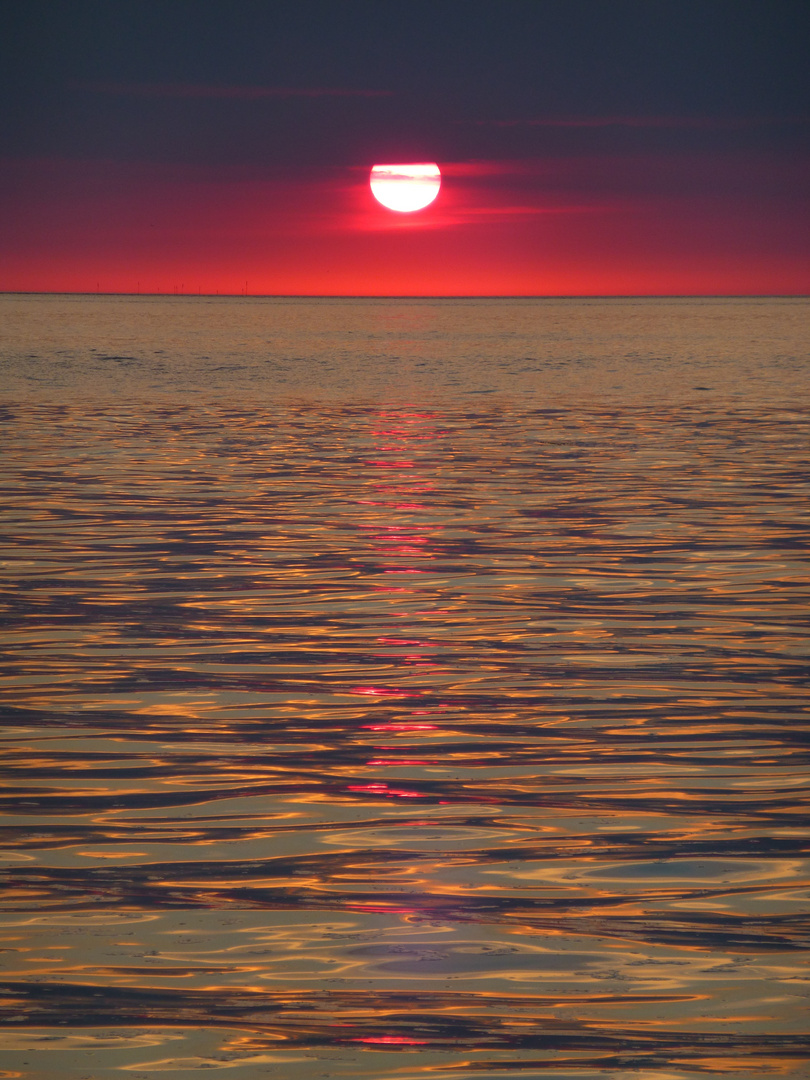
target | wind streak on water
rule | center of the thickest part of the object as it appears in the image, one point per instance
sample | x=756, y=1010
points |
x=407, y=741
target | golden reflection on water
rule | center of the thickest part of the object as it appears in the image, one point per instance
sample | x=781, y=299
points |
x=413, y=741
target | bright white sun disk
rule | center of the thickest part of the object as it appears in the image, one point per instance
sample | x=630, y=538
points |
x=406, y=187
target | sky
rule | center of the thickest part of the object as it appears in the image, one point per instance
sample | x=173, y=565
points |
x=587, y=147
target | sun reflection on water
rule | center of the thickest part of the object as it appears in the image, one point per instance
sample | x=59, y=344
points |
x=479, y=734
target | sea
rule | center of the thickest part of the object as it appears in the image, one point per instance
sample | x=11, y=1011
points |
x=404, y=689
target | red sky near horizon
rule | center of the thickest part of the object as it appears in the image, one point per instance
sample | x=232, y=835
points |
x=640, y=224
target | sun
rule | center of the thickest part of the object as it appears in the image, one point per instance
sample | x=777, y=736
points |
x=406, y=187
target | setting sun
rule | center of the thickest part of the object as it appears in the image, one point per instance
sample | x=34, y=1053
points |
x=406, y=187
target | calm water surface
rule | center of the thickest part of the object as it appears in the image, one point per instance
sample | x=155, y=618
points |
x=405, y=689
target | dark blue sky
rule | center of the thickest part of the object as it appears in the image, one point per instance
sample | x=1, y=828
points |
x=81, y=78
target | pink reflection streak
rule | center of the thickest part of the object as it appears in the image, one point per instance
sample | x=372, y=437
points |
x=386, y=909
x=423, y=657
x=399, y=538
x=392, y=1040
x=393, y=763
x=382, y=691
x=384, y=789
x=405, y=540
x=400, y=727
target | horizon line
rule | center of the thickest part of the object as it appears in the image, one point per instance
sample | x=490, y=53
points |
x=413, y=296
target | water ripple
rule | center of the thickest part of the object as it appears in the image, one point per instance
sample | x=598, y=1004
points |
x=438, y=740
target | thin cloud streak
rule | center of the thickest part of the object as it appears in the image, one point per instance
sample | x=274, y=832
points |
x=374, y=221
x=696, y=123
x=225, y=93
